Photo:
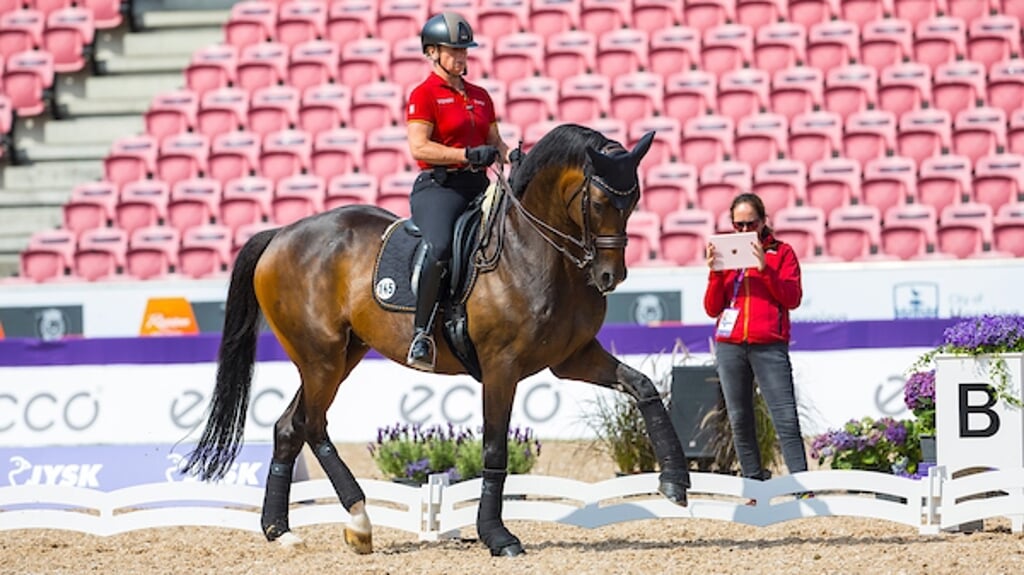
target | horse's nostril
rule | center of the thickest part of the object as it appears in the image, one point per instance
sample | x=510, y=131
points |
x=607, y=280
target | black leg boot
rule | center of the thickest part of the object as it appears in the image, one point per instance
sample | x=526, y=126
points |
x=422, y=352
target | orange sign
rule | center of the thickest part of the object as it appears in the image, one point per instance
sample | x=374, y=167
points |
x=168, y=316
x=1, y=331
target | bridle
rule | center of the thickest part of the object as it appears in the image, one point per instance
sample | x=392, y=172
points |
x=588, y=244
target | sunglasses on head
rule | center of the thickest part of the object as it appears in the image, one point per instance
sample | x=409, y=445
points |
x=741, y=226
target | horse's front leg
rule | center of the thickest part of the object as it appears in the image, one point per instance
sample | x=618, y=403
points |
x=595, y=365
x=497, y=398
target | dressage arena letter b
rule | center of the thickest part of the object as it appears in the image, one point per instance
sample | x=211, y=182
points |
x=985, y=409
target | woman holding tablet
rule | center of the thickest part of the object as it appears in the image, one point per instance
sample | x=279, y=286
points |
x=752, y=334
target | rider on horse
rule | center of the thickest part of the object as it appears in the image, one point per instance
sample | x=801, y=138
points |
x=453, y=136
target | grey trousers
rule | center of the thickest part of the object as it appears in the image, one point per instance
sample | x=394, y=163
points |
x=738, y=366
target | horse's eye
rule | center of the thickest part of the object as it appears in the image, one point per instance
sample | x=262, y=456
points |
x=598, y=208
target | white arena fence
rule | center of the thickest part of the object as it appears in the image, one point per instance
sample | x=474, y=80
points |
x=438, y=510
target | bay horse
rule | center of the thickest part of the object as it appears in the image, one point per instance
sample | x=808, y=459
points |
x=563, y=235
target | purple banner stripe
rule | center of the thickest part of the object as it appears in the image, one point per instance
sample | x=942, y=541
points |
x=620, y=339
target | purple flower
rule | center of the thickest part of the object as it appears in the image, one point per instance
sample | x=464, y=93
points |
x=919, y=391
x=985, y=334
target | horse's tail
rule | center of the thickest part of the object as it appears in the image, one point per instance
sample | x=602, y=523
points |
x=222, y=439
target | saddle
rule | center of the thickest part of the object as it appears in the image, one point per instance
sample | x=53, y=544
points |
x=393, y=271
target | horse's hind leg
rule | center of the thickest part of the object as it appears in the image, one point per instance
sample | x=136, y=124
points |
x=288, y=441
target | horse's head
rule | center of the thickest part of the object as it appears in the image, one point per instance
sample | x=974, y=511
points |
x=612, y=191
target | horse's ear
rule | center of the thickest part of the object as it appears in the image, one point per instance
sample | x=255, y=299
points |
x=642, y=147
x=602, y=164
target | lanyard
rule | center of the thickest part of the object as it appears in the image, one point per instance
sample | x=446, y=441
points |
x=736, y=286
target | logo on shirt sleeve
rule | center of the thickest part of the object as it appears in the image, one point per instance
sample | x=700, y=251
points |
x=412, y=108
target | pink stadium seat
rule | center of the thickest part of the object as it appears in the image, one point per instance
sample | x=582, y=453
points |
x=993, y=39
x=1005, y=86
x=6, y=118
x=212, y=67
x=807, y=13
x=497, y=18
x=636, y=95
x=90, y=206
x=888, y=181
x=760, y=138
x=869, y=134
x=68, y=31
x=850, y=89
x=780, y=184
x=250, y=22
x=297, y=197
x=702, y=15
x=668, y=187
x=45, y=6
x=152, y=252
x=131, y=158
x=48, y=256
x=530, y=100
x=673, y=50
x=172, y=113
x=967, y=10
x=943, y=180
x=742, y=92
x=853, y=232
x=272, y=109
x=706, y=139
x=397, y=19
x=643, y=230
x=182, y=156
x=244, y=233
x=684, y=236
x=939, y=41
x=814, y=136
x=832, y=44
x=351, y=188
x=1008, y=229
x=978, y=132
x=107, y=13
x=886, y=43
x=1013, y=8
x=535, y=132
x=957, y=86
x=300, y=21
x=376, y=105
x=393, y=194
x=348, y=20
x=481, y=59
x=387, y=151
x=100, y=254
x=246, y=201
x=689, y=94
x=803, y=228
x=584, y=97
x=570, y=53
x=622, y=51
x=758, y=13
x=364, y=60
x=142, y=203
x=233, y=155
x=904, y=87
x=285, y=153
x=21, y=30
x=552, y=17
x=726, y=47
x=720, y=182
x=261, y=65
x=600, y=16
x=998, y=180
x=965, y=230
x=778, y=46
x=324, y=107
x=915, y=11
x=205, y=251
x=517, y=56
x=222, y=110
x=832, y=183
x=654, y=15
x=337, y=152
x=1015, y=133
x=664, y=148
x=313, y=63
x=924, y=133
x=908, y=231
x=408, y=66
x=511, y=134
x=193, y=202
x=861, y=12
x=796, y=91
x=498, y=91
x=28, y=76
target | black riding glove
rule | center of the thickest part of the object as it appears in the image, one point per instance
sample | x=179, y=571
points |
x=481, y=156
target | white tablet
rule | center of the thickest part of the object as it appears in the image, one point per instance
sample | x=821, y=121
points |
x=733, y=251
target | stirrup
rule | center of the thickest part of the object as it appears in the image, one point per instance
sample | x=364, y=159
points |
x=421, y=363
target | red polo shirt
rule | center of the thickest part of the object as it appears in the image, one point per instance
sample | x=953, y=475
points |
x=459, y=121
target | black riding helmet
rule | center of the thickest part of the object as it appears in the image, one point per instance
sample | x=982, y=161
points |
x=447, y=29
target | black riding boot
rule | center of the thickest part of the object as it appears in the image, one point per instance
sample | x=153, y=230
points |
x=422, y=352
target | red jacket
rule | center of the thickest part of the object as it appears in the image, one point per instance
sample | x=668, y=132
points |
x=763, y=298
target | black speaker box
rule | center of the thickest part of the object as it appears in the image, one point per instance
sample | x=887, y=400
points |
x=695, y=392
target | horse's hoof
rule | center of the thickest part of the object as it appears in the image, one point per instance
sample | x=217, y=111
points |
x=510, y=550
x=674, y=492
x=289, y=540
x=361, y=543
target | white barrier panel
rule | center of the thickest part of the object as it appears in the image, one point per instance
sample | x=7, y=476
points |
x=125, y=404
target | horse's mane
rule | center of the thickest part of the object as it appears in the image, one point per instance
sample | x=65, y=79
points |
x=563, y=146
